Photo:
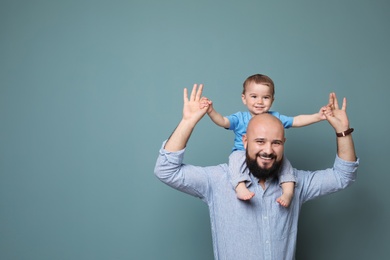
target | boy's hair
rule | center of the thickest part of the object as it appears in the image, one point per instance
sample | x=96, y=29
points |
x=260, y=79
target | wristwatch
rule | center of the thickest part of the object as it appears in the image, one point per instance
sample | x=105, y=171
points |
x=345, y=133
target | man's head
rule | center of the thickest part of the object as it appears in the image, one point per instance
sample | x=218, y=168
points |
x=258, y=94
x=264, y=144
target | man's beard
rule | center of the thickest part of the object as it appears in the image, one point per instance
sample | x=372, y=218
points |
x=261, y=173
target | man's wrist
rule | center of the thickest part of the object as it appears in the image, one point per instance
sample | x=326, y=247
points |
x=345, y=133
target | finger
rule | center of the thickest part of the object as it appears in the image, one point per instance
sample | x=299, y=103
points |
x=193, y=92
x=335, y=102
x=185, y=95
x=344, y=107
x=327, y=110
x=328, y=113
x=330, y=99
x=199, y=92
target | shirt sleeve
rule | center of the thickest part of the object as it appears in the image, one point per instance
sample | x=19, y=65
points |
x=318, y=183
x=234, y=120
x=287, y=121
x=190, y=179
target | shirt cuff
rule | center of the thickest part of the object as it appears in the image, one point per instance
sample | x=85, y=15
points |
x=347, y=165
x=172, y=157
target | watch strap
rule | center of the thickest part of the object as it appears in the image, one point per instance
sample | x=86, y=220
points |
x=345, y=133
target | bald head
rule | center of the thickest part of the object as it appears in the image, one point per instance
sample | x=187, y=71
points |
x=265, y=124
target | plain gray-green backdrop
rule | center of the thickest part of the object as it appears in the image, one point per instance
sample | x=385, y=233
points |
x=90, y=89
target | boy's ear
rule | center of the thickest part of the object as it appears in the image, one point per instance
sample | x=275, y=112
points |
x=243, y=99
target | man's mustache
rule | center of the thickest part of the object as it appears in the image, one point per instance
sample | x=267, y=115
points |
x=267, y=155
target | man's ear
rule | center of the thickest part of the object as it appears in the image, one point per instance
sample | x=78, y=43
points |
x=244, y=140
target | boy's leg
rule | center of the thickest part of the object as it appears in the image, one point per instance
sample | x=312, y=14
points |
x=287, y=181
x=286, y=172
x=239, y=175
x=287, y=195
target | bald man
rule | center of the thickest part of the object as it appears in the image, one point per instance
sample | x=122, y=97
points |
x=259, y=228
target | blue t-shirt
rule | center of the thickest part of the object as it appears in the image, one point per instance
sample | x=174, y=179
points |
x=239, y=122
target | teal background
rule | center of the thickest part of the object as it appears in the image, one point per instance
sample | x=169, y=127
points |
x=90, y=89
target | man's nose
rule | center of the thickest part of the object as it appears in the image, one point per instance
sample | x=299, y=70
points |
x=267, y=148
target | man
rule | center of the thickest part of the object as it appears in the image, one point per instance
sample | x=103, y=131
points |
x=259, y=228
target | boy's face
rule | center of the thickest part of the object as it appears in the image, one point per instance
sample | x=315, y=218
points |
x=258, y=98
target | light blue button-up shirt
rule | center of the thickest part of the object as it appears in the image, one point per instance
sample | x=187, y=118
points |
x=259, y=228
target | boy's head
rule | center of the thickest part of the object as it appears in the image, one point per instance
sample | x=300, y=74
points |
x=258, y=94
x=259, y=79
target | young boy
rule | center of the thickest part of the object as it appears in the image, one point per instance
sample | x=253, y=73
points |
x=258, y=96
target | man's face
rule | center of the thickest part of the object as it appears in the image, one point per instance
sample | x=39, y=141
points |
x=260, y=172
x=264, y=145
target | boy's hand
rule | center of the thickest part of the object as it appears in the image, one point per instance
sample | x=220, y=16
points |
x=205, y=102
x=325, y=110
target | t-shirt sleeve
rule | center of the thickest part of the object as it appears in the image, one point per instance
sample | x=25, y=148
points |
x=287, y=121
x=234, y=120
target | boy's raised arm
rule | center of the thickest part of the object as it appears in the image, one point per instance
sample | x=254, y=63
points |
x=216, y=117
x=304, y=120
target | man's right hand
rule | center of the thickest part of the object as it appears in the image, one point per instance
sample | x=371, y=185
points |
x=193, y=108
x=192, y=113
